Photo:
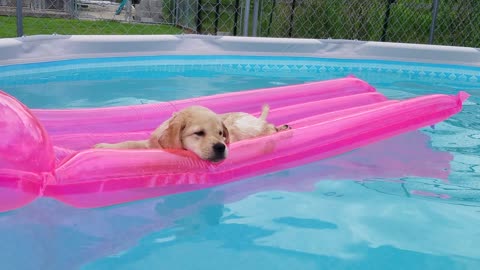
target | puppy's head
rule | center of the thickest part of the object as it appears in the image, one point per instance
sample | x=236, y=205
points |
x=199, y=130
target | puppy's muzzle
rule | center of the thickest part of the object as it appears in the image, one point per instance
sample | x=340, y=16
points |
x=218, y=152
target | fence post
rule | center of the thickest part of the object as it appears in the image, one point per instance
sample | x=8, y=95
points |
x=290, y=28
x=246, y=17
x=19, y=18
x=434, y=21
x=387, y=18
x=237, y=13
x=217, y=16
x=173, y=12
x=199, y=16
x=256, y=5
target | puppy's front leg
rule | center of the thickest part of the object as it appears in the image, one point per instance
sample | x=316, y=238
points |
x=124, y=145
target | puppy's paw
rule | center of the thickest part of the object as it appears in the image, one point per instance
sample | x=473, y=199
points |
x=283, y=127
x=101, y=145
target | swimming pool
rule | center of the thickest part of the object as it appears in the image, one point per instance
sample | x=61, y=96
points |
x=412, y=202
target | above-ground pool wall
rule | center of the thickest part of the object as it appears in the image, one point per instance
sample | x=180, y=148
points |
x=58, y=47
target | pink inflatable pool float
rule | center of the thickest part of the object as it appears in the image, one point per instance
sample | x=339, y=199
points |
x=48, y=152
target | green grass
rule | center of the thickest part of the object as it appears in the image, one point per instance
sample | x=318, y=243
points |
x=35, y=26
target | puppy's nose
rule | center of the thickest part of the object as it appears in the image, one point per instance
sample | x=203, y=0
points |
x=219, y=148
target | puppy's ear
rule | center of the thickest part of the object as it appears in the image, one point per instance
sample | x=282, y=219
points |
x=226, y=134
x=171, y=138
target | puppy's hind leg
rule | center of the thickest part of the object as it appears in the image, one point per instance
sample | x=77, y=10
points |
x=265, y=111
x=264, y=115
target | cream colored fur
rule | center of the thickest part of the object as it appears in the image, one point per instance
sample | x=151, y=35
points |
x=203, y=132
x=242, y=126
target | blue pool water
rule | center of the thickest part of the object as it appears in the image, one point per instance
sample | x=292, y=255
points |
x=354, y=211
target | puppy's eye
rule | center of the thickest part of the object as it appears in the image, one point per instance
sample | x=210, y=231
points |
x=200, y=133
x=220, y=133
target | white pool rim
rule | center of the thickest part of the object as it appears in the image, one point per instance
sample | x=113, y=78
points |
x=42, y=48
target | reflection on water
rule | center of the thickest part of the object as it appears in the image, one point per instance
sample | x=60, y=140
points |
x=348, y=210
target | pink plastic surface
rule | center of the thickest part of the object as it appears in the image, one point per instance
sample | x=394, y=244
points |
x=328, y=118
x=147, y=116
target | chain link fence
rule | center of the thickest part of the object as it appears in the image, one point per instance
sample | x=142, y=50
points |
x=445, y=22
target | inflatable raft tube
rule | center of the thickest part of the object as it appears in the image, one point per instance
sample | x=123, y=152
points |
x=85, y=177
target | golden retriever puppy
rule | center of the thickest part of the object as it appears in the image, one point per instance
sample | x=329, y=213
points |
x=242, y=126
x=195, y=128
x=203, y=132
